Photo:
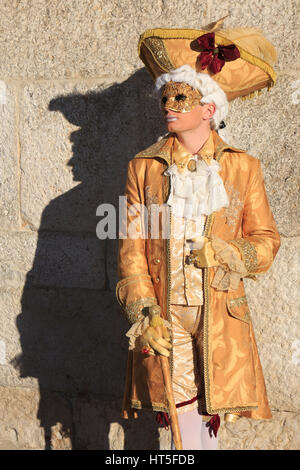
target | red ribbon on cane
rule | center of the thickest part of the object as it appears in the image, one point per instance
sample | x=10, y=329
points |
x=163, y=419
x=214, y=57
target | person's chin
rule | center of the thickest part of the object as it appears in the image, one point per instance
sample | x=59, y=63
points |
x=173, y=126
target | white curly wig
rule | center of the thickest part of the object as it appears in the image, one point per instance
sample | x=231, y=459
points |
x=211, y=91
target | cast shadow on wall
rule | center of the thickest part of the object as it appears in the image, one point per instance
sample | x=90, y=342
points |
x=71, y=329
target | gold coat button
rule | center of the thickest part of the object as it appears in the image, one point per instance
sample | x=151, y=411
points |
x=157, y=280
x=156, y=261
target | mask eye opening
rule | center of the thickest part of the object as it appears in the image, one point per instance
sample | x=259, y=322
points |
x=180, y=97
x=164, y=100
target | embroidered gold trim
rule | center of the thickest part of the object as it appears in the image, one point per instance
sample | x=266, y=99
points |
x=206, y=346
x=171, y=357
x=133, y=281
x=237, y=302
x=123, y=282
x=232, y=410
x=156, y=150
x=156, y=46
x=154, y=405
x=248, y=252
x=161, y=407
x=133, y=310
x=149, y=197
x=152, y=205
x=233, y=211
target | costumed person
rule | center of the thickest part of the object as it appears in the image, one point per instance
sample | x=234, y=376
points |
x=183, y=293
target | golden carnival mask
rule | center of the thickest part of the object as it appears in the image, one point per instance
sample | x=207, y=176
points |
x=179, y=97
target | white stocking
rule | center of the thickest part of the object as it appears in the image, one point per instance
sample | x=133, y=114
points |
x=194, y=433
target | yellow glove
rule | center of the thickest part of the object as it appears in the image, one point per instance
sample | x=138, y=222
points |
x=156, y=337
x=205, y=256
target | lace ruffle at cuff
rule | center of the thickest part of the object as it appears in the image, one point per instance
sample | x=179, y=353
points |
x=138, y=328
x=231, y=269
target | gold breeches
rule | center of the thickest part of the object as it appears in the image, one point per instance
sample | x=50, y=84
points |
x=186, y=378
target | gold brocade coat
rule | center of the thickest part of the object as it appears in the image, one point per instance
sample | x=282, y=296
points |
x=231, y=369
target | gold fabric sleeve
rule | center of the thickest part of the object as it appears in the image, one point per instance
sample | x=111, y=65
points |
x=261, y=240
x=135, y=289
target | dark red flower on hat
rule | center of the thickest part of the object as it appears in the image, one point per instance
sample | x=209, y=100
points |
x=214, y=57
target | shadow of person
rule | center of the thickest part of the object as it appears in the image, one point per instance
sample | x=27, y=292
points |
x=71, y=330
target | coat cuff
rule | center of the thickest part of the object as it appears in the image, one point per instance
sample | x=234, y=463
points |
x=133, y=294
x=134, y=310
x=248, y=254
x=231, y=269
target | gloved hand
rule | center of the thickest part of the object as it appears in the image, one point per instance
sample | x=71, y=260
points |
x=156, y=337
x=203, y=256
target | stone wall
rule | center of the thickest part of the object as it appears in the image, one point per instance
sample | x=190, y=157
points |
x=76, y=104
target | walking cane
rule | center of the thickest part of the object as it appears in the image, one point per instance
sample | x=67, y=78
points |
x=164, y=361
x=172, y=407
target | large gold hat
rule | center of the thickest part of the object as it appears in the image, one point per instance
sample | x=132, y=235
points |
x=239, y=59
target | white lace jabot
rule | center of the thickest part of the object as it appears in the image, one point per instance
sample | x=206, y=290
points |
x=198, y=193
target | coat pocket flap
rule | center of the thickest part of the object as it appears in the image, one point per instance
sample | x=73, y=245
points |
x=238, y=308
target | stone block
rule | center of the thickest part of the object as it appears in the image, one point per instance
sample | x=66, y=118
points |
x=72, y=40
x=279, y=433
x=70, y=340
x=32, y=421
x=266, y=127
x=18, y=422
x=9, y=166
x=51, y=259
x=274, y=300
x=9, y=309
x=99, y=426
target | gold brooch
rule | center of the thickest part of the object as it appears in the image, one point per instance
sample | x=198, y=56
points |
x=192, y=165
